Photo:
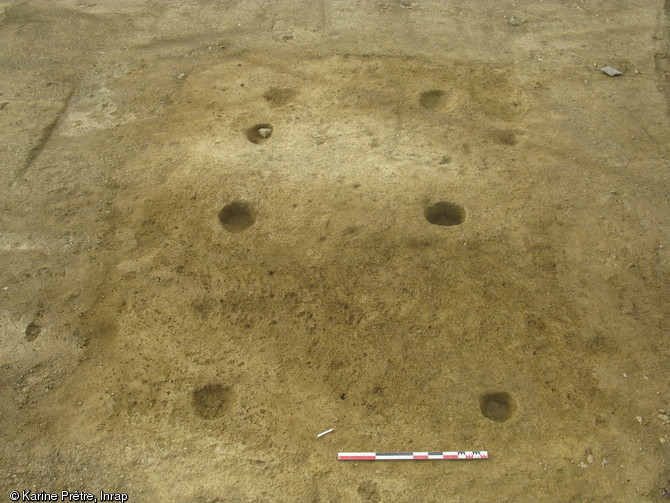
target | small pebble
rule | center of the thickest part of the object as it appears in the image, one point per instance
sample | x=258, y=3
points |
x=590, y=459
x=264, y=132
x=639, y=419
x=611, y=71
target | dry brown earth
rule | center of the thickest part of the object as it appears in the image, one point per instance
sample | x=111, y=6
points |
x=216, y=242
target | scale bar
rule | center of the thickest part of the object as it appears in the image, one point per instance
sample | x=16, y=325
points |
x=410, y=456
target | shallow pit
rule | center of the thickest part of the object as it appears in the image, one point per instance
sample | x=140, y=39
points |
x=499, y=406
x=213, y=401
x=260, y=133
x=237, y=216
x=32, y=331
x=433, y=99
x=444, y=213
x=279, y=95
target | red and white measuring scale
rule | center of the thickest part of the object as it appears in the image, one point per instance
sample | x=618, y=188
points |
x=408, y=456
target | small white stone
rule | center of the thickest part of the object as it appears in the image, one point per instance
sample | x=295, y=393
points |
x=625, y=375
x=639, y=419
x=590, y=459
x=583, y=465
x=611, y=71
x=664, y=418
x=264, y=132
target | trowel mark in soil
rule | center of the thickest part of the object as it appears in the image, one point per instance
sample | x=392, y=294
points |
x=237, y=216
x=498, y=407
x=444, y=213
x=213, y=401
x=46, y=135
x=260, y=133
x=32, y=331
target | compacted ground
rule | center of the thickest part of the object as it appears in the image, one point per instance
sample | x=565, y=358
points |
x=228, y=226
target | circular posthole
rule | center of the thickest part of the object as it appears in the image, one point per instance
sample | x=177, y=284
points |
x=237, y=216
x=433, y=99
x=444, y=213
x=498, y=407
x=505, y=136
x=32, y=331
x=259, y=133
x=213, y=401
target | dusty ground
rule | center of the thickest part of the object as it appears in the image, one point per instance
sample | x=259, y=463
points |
x=182, y=309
